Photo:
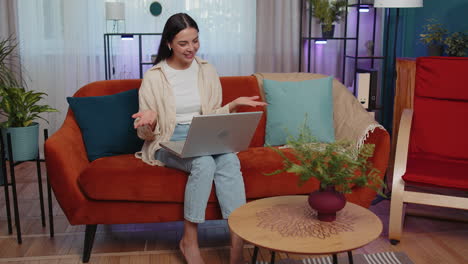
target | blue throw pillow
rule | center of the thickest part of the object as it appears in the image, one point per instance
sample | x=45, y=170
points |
x=106, y=123
x=290, y=102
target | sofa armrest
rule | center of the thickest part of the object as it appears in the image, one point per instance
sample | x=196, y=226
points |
x=66, y=158
x=381, y=139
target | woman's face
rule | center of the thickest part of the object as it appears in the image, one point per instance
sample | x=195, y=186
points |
x=184, y=48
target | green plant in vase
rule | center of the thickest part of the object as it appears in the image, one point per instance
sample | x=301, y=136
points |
x=457, y=44
x=20, y=106
x=338, y=166
x=328, y=13
x=433, y=37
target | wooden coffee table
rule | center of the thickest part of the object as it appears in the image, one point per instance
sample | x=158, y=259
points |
x=288, y=224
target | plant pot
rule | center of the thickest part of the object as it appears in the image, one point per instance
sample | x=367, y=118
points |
x=328, y=33
x=327, y=202
x=435, y=50
x=24, y=142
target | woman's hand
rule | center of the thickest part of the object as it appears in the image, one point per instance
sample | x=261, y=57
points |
x=146, y=118
x=247, y=101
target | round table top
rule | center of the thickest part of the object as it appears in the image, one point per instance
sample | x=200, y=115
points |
x=288, y=224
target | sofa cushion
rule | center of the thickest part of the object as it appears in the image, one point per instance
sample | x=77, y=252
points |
x=256, y=162
x=236, y=86
x=442, y=77
x=438, y=127
x=440, y=105
x=107, y=87
x=429, y=169
x=289, y=103
x=106, y=123
x=134, y=180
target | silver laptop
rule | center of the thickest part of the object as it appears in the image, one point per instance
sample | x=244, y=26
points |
x=216, y=134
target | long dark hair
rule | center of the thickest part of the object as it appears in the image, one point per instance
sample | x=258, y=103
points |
x=174, y=25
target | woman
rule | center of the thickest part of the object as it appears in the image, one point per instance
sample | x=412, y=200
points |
x=178, y=87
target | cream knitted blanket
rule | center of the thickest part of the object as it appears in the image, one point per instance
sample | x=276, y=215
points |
x=351, y=121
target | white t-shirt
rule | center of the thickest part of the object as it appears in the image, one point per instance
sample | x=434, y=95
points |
x=185, y=87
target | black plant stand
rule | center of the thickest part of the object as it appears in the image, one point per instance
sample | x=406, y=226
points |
x=12, y=165
x=49, y=194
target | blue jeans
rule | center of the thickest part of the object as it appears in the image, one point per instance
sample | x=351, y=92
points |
x=223, y=169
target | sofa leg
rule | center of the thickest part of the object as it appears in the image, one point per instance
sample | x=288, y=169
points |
x=88, y=242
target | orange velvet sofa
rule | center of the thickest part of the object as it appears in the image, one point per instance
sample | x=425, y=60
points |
x=123, y=189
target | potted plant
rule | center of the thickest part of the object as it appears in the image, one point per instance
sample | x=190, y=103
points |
x=457, y=44
x=433, y=36
x=338, y=166
x=20, y=106
x=328, y=13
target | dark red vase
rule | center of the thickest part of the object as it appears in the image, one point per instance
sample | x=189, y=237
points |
x=327, y=202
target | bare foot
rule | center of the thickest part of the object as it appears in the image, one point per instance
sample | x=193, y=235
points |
x=237, y=247
x=236, y=258
x=191, y=252
x=240, y=261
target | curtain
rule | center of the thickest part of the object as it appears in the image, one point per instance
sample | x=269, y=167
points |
x=277, y=45
x=62, y=43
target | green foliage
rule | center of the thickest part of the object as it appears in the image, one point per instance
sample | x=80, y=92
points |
x=20, y=106
x=7, y=54
x=457, y=44
x=436, y=33
x=328, y=12
x=337, y=164
x=433, y=32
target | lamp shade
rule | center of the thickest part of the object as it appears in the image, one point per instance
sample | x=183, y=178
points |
x=115, y=11
x=398, y=3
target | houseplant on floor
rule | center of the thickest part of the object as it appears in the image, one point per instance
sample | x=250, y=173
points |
x=433, y=37
x=338, y=166
x=20, y=106
x=328, y=13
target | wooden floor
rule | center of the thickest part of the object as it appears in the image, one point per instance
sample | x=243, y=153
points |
x=425, y=241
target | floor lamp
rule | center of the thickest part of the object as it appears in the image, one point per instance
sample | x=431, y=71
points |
x=115, y=12
x=388, y=91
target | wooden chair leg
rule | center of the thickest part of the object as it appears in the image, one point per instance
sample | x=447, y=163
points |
x=396, y=214
x=88, y=243
x=398, y=184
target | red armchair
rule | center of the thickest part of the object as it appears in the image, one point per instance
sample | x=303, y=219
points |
x=432, y=139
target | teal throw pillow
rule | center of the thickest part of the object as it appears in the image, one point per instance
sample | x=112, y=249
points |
x=106, y=123
x=289, y=103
